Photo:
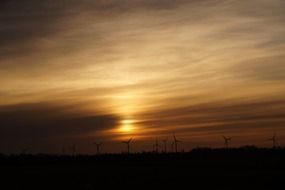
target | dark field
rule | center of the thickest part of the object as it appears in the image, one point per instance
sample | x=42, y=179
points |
x=242, y=168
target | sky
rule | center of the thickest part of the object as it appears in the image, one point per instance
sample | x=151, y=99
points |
x=84, y=71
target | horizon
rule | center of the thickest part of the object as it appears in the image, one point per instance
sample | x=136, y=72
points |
x=79, y=72
x=124, y=152
x=107, y=147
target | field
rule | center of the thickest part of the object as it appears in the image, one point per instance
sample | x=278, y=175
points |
x=238, y=168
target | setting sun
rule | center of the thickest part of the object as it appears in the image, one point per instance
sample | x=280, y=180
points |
x=126, y=126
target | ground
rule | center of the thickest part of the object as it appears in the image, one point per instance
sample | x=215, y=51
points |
x=239, y=168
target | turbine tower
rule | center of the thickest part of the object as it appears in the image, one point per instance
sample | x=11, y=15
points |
x=24, y=151
x=73, y=150
x=165, y=145
x=128, y=144
x=175, y=143
x=98, y=145
x=274, y=141
x=156, y=146
x=172, y=146
x=227, y=140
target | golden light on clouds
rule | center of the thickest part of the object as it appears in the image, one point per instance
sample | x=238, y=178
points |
x=146, y=68
x=126, y=127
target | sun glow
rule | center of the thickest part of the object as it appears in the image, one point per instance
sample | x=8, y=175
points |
x=126, y=126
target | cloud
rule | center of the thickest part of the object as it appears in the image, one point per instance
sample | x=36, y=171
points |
x=222, y=117
x=189, y=63
x=23, y=23
x=266, y=68
x=39, y=121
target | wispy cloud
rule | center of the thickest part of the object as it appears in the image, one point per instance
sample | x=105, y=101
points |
x=46, y=122
x=141, y=58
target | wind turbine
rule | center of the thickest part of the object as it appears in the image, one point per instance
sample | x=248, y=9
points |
x=274, y=140
x=156, y=146
x=227, y=140
x=98, y=145
x=73, y=150
x=165, y=145
x=175, y=142
x=128, y=144
x=172, y=146
x=24, y=151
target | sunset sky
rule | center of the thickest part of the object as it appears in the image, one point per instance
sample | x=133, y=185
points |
x=80, y=71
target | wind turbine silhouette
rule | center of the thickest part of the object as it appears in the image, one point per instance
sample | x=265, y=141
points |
x=156, y=146
x=98, y=145
x=73, y=150
x=227, y=140
x=176, y=142
x=274, y=140
x=24, y=151
x=165, y=145
x=172, y=146
x=128, y=144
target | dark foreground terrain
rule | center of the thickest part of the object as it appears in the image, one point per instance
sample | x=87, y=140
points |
x=242, y=168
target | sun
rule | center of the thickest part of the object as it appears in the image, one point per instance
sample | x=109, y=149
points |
x=126, y=126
